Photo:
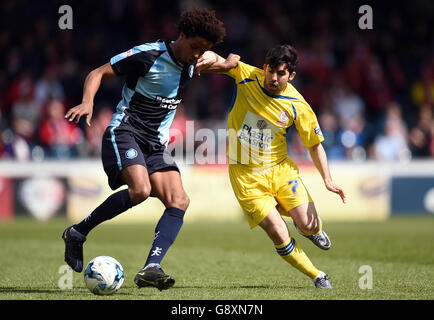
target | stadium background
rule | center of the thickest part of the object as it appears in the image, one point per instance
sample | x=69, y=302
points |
x=372, y=90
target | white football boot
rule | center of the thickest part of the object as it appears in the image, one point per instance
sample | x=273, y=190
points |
x=322, y=281
x=321, y=240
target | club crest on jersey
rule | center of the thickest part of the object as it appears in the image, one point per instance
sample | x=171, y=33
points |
x=283, y=116
x=131, y=153
x=190, y=71
x=261, y=124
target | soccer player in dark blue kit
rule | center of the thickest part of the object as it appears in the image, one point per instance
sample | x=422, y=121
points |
x=134, y=144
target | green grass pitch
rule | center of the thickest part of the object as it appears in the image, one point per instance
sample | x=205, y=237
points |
x=226, y=261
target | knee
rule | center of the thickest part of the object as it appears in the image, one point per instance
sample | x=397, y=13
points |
x=139, y=194
x=310, y=228
x=180, y=201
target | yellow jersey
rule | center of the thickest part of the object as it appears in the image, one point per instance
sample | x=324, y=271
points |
x=258, y=120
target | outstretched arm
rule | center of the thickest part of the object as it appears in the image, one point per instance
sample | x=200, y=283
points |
x=319, y=158
x=91, y=86
x=212, y=62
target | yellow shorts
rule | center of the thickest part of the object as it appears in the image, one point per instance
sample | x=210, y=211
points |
x=260, y=190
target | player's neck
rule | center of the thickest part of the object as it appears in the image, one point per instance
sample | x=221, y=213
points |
x=175, y=50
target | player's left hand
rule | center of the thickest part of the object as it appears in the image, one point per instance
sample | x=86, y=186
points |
x=331, y=186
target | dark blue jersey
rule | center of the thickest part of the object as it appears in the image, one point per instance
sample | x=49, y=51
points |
x=153, y=90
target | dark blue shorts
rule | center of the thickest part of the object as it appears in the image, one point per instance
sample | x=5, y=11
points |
x=121, y=149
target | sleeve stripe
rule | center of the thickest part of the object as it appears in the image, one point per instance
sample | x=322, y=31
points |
x=295, y=112
x=234, y=97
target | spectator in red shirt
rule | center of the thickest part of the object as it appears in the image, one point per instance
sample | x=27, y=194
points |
x=58, y=136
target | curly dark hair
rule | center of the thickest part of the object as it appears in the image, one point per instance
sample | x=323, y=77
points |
x=201, y=23
x=282, y=54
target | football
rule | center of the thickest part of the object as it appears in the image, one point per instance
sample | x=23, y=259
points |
x=103, y=275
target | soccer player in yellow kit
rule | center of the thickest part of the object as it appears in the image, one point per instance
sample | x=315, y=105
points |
x=264, y=179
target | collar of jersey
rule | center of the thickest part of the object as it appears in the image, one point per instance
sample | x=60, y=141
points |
x=275, y=96
x=169, y=49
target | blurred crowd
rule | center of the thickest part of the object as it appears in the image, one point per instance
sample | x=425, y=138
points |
x=372, y=90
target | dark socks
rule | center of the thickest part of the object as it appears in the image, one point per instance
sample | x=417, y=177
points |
x=110, y=208
x=165, y=234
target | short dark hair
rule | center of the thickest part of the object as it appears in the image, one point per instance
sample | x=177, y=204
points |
x=202, y=23
x=282, y=54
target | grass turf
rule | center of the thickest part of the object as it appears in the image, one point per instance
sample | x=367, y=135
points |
x=226, y=261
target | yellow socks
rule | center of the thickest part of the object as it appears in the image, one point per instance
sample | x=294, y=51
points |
x=294, y=255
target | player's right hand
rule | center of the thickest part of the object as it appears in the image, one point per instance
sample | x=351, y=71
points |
x=205, y=60
x=331, y=186
x=231, y=61
x=234, y=58
x=83, y=109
